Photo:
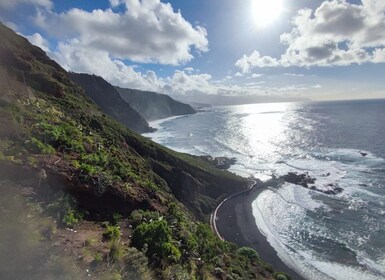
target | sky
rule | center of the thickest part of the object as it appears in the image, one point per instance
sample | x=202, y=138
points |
x=215, y=51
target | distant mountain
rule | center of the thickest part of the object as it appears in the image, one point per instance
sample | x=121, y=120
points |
x=153, y=105
x=108, y=98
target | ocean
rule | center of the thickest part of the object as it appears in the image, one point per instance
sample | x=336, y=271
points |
x=321, y=236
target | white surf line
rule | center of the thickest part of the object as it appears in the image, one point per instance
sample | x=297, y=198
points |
x=213, y=216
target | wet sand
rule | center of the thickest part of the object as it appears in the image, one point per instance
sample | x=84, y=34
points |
x=235, y=223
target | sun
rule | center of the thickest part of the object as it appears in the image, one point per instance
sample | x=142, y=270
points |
x=265, y=12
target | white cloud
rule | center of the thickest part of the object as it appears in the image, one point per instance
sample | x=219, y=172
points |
x=255, y=60
x=189, y=69
x=255, y=76
x=146, y=31
x=238, y=74
x=37, y=40
x=72, y=56
x=294, y=75
x=337, y=33
x=12, y=4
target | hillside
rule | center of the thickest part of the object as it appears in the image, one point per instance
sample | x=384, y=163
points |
x=153, y=105
x=118, y=205
x=109, y=100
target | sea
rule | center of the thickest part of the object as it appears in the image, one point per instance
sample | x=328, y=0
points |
x=320, y=236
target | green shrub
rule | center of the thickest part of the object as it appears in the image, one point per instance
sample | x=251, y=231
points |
x=249, y=253
x=36, y=146
x=116, y=217
x=281, y=276
x=157, y=236
x=70, y=219
x=138, y=216
x=171, y=252
x=112, y=233
x=65, y=136
x=32, y=161
x=136, y=264
x=98, y=258
x=64, y=208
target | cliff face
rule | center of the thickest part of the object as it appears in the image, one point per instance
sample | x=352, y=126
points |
x=153, y=105
x=40, y=103
x=86, y=170
x=107, y=98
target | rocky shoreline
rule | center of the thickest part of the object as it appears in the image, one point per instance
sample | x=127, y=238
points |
x=223, y=163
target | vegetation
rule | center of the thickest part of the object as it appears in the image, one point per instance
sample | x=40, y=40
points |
x=83, y=166
x=112, y=233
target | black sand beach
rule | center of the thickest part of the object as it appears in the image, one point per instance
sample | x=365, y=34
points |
x=236, y=223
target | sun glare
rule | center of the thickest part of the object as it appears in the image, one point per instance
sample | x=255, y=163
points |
x=265, y=12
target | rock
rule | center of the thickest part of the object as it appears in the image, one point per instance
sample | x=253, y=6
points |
x=299, y=179
x=219, y=162
x=304, y=180
x=363, y=154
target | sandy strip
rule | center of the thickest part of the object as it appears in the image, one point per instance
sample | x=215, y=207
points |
x=235, y=222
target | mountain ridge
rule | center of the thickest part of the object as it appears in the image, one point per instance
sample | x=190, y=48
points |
x=107, y=98
x=153, y=105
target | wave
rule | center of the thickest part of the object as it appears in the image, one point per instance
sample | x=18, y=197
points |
x=282, y=222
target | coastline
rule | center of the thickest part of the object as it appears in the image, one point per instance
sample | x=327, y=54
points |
x=234, y=222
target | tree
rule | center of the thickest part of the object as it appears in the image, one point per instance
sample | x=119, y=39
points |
x=157, y=236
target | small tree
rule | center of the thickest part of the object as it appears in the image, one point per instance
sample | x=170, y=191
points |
x=157, y=235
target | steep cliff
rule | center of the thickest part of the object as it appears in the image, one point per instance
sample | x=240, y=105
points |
x=153, y=105
x=108, y=98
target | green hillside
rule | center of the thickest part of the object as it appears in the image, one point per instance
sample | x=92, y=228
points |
x=137, y=210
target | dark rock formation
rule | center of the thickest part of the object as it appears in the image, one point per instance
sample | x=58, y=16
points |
x=304, y=180
x=107, y=98
x=153, y=105
x=219, y=162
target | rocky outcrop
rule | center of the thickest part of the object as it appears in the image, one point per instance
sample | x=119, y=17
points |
x=154, y=105
x=306, y=181
x=109, y=100
x=219, y=162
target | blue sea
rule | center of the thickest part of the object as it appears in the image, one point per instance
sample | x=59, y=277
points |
x=342, y=142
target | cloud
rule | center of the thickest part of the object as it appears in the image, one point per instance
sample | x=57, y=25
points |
x=255, y=76
x=74, y=57
x=255, y=60
x=146, y=31
x=337, y=33
x=37, y=40
x=238, y=74
x=12, y=4
x=189, y=69
x=294, y=75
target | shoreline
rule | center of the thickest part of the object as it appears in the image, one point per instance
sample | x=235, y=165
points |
x=235, y=223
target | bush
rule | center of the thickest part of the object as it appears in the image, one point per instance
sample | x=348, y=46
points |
x=157, y=235
x=249, y=253
x=66, y=136
x=36, y=146
x=112, y=233
x=116, y=217
x=98, y=258
x=281, y=276
x=66, y=211
x=70, y=219
x=136, y=264
x=138, y=216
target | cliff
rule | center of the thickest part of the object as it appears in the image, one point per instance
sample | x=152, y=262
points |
x=117, y=204
x=109, y=100
x=153, y=105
